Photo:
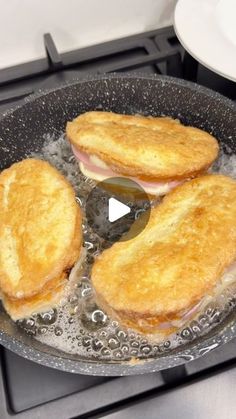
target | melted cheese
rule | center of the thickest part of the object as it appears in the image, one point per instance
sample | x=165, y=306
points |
x=227, y=279
x=160, y=189
x=98, y=162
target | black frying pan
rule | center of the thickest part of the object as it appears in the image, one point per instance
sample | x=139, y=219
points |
x=23, y=131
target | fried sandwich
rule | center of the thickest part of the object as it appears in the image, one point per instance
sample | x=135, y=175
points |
x=40, y=236
x=158, y=153
x=165, y=276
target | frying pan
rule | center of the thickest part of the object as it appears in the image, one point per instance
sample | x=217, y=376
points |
x=24, y=129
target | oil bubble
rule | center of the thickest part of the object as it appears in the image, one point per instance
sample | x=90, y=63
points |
x=42, y=330
x=122, y=335
x=58, y=331
x=86, y=341
x=118, y=354
x=97, y=344
x=99, y=317
x=48, y=317
x=105, y=352
x=145, y=349
x=113, y=342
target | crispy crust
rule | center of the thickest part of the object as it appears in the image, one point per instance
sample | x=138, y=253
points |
x=54, y=293
x=48, y=298
x=188, y=243
x=40, y=227
x=155, y=149
x=143, y=324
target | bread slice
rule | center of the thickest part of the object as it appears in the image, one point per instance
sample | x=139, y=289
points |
x=176, y=261
x=157, y=149
x=46, y=299
x=40, y=228
x=54, y=293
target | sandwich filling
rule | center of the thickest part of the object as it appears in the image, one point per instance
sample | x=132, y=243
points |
x=53, y=294
x=181, y=262
x=93, y=167
x=227, y=280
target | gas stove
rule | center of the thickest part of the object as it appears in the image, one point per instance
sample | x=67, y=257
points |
x=201, y=388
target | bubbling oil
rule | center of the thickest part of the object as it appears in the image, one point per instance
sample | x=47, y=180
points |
x=79, y=326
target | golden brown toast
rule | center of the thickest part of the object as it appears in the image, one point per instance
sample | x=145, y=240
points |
x=40, y=228
x=54, y=293
x=46, y=299
x=179, y=257
x=156, y=149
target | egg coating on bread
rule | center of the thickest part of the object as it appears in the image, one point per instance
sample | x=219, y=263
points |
x=179, y=258
x=40, y=227
x=158, y=149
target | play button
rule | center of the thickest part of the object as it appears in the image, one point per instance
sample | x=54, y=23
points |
x=116, y=210
x=117, y=206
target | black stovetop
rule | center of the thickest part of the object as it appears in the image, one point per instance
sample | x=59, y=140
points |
x=201, y=388
x=29, y=390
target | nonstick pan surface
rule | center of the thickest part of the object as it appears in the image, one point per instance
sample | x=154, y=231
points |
x=25, y=130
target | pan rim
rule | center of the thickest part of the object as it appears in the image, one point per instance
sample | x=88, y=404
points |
x=91, y=78
x=123, y=368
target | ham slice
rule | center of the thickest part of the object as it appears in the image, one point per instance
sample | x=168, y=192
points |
x=102, y=172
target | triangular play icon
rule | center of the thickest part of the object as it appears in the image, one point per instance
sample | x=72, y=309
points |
x=116, y=210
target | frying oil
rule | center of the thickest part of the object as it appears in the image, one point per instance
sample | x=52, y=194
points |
x=79, y=326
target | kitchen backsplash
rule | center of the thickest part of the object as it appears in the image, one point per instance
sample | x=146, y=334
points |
x=73, y=24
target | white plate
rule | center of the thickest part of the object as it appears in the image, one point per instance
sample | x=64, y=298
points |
x=207, y=30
